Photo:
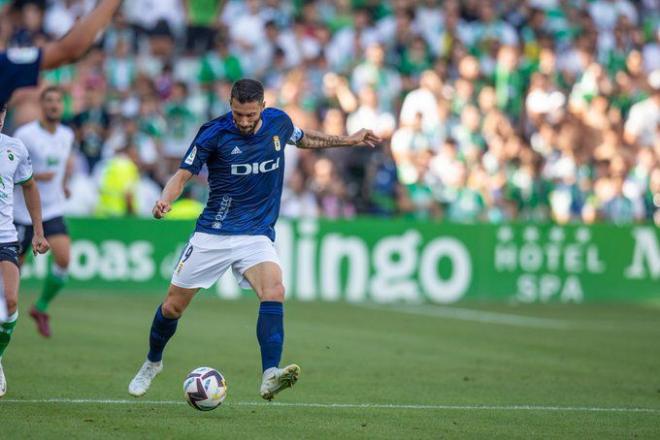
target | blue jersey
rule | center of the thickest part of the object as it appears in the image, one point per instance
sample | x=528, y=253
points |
x=19, y=67
x=245, y=173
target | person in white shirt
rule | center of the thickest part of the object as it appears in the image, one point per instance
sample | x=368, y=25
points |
x=423, y=100
x=49, y=144
x=15, y=169
x=644, y=117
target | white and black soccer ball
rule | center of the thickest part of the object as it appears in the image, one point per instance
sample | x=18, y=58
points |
x=205, y=388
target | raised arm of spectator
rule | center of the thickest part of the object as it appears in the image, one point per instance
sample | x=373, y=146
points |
x=345, y=96
x=80, y=38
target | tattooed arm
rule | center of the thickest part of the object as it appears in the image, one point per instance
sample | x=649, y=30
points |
x=315, y=139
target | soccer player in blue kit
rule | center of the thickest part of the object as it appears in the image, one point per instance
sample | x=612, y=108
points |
x=244, y=153
x=20, y=66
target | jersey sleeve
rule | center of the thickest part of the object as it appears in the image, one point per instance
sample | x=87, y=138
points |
x=200, y=150
x=296, y=136
x=23, y=171
x=23, y=134
x=19, y=67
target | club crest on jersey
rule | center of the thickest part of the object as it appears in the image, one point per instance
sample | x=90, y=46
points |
x=276, y=143
x=191, y=157
x=10, y=155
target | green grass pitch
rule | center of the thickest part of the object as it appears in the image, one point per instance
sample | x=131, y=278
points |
x=472, y=371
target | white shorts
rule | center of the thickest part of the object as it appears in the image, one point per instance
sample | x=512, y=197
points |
x=208, y=256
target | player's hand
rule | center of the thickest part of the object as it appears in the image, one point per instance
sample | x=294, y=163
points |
x=39, y=244
x=364, y=137
x=161, y=208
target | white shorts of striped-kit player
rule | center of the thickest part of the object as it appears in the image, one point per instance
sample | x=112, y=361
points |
x=207, y=257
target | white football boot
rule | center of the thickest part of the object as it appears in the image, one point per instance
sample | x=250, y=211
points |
x=3, y=382
x=142, y=380
x=278, y=379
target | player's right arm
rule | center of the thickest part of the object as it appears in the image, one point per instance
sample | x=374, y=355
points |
x=80, y=38
x=33, y=203
x=23, y=177
x=171, y=192
x=191, y=164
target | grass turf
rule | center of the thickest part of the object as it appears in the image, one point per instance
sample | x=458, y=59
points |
x=582, y=357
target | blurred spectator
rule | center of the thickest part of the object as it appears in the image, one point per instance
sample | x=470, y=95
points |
x=619, y=209
x=119, y=178
x=509, y=81
x=424, y=101
x=202, y=20
x=652, y=197
x=120, y=69
x=185, y=207
x=532, y=110
x=182, y=124
x=468, y=132
x=330, y=191
x=92, y=125
x=466, y=203
x=128, y=133
x=219, y=64
x=408, y=143
x=297, y=200
x=385, y=194
x=374, y=73
x=62, y=14
x=151, y=16
x=651, y=52
x=642, y=123
x=350, y=41
x=369, y=115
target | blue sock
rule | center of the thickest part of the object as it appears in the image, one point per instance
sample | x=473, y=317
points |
x=270, y=333
x=162, y=330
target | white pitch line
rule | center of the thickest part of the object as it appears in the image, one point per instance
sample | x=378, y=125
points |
x=349, y=405
x=473, y=315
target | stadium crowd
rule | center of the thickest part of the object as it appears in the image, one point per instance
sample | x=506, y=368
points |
x=532, y=110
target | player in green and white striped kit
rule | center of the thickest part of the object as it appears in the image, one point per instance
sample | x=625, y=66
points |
x=15, y=169
x=49, y=145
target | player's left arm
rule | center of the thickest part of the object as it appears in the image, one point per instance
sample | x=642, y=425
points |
x=33, y=203
x=315, y=139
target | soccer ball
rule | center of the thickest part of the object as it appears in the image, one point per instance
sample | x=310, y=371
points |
x=205, y=388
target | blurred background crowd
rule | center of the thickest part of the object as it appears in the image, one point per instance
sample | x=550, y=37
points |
x=531, y=110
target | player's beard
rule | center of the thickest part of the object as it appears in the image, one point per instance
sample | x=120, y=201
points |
x=52, y=119
x=247, y=131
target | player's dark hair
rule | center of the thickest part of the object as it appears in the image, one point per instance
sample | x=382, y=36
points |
x=247, y=90
x=51, y=89
x=3, y=107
